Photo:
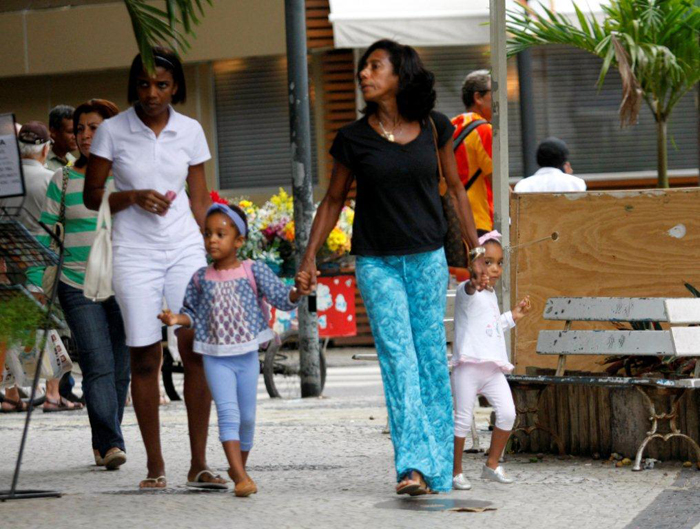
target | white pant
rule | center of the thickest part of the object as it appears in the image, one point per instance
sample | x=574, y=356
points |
x=487, y=379
x=142, y=278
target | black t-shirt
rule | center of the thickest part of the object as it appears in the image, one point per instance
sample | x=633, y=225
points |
x=398, y=209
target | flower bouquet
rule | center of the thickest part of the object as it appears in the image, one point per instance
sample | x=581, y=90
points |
x=271, y=233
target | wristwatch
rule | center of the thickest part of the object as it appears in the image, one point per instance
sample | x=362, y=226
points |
x=476, y=252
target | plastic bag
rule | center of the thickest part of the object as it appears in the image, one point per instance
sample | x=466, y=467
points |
x=21, y=364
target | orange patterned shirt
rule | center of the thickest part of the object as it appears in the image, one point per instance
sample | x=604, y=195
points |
x=475, y=153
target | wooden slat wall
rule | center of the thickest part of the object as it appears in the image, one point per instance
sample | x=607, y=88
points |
x=338, y=74
x=319, y=31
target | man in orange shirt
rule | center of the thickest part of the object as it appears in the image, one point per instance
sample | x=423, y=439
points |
x=473, y=154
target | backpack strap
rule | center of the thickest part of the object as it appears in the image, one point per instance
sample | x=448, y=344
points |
x=199, y=277
x=460, y=139
x=466, y=131
x=248, y=269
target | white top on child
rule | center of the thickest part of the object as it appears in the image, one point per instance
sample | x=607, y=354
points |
x=479, y=329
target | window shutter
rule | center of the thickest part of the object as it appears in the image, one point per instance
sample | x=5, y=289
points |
x=569, y=106
x=252, y=120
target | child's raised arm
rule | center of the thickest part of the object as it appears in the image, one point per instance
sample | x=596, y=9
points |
x=523, y=308
x=273, y=289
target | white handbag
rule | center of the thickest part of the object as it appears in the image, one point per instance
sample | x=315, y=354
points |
x=98, y=271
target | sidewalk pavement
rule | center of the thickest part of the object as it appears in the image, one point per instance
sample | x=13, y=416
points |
x=323, y=463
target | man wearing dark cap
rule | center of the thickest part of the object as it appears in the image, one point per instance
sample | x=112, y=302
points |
x=34, y=145
x=62, y=136
x=555, y=173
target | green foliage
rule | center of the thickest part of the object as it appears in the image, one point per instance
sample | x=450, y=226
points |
x=153, y=26
x=655, y=44
x=20, y=317
x=660, y=38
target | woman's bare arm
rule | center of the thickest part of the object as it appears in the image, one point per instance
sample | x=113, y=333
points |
x=460, y=200
x=327, y=215
x=199, y=194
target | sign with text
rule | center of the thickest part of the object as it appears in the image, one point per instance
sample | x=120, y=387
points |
x=11, y=177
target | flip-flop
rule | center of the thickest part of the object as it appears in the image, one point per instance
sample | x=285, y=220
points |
x=158, y=480
x=18, y=406
x=206, y=485
x=409, y=488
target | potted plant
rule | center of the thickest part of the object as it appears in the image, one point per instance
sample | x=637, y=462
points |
x=19, y=320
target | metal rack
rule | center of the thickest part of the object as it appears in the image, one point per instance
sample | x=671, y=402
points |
x=19, y=252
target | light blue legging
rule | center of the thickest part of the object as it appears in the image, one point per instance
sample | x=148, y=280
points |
x=233, y=382
x=405, y=298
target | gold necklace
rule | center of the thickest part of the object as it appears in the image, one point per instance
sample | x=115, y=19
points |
x=388, y=135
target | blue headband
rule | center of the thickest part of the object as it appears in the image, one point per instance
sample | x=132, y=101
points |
x=232, y=214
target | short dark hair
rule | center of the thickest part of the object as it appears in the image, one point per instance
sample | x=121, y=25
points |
x=104, y=108
x=552, y=152
x=164, y=58
x=416, y=96
x=58, y=114
x=477, y=82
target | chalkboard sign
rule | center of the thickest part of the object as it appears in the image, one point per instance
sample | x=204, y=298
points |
x=11, y=176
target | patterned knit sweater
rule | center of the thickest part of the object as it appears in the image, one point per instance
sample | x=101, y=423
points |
x=225, y=311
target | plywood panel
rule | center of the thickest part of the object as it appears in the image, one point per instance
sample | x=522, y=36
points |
x=617, y=243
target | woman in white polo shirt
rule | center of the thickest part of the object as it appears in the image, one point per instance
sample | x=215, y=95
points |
x=153, y=151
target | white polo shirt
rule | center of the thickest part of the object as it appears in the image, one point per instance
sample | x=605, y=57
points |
x=140, y=160
x=550, y=180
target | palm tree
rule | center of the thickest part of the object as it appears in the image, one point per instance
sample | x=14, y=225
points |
x=655, y=45
x=153, y=26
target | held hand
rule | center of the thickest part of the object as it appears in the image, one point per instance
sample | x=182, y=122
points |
x=480, y=275
x=168, y=318
x=303, y=283
x=308, y=267
x=152, y=201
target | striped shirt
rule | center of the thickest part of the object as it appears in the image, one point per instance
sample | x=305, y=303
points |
x=80, y=227
x=475, y=153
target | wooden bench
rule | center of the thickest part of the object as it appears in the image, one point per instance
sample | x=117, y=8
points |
x=678, y=341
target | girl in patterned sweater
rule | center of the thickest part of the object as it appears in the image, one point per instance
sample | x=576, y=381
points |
x=223, y=303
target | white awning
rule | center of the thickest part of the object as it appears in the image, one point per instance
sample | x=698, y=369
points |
x=358, y=23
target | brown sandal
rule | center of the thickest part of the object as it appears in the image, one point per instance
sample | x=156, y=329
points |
x=413, y=487
x=17, y=406
x=60, y=405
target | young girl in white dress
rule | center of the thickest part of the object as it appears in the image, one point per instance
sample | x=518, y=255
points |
x=480, y=362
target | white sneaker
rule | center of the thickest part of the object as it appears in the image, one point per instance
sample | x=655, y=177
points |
x=459, y=482
x=497, y=475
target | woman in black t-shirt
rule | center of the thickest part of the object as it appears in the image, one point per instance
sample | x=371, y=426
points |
x=398, y=236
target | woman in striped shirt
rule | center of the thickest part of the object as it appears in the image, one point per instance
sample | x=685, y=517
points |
x=97, y=327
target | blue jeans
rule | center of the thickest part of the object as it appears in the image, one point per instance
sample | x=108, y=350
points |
x=405, y=298
x=98, y=331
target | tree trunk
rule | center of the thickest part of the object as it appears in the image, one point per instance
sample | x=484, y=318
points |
x=662, y=152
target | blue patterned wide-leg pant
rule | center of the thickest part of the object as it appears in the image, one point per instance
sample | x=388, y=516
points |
x=405, y=301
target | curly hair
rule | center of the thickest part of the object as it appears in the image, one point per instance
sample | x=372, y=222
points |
x=416, y=96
